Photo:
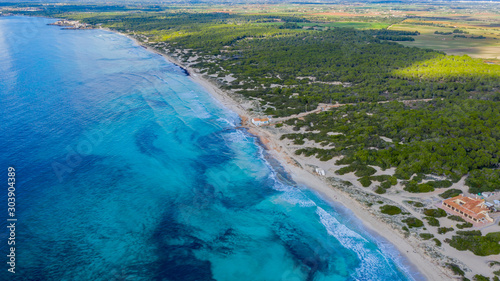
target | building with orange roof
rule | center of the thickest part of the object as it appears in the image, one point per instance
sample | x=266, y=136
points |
x=260, y=121
x=471, y=209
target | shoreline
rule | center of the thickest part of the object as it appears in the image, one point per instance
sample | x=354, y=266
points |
x=409, y=250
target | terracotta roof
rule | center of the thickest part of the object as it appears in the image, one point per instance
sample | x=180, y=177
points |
x=260, y=119
x=470, y=206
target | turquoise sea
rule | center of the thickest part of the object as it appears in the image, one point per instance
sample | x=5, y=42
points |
x=128, y=170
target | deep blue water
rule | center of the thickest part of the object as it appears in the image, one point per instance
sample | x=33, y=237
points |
x=128, y=170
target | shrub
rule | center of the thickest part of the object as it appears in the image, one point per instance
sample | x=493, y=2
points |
x=364, y=171
x=359, y=170
x=477, y=244
x=456, y=218
x=456, y=269
x=414, y=187
x=347, y=183
x=438, y=243
x=464, y=225
x=380, y=178
x=416, y=204
x=380, y=190
x=440, y=184
x=437, y=213
x=450, y=193
x=345, y=170
x=413, y=222
x=365, y=181
x=390, y=210
x=478, y=277
x=393, y=180
x=426, y=236
x=470, y=232
x=385, y=185
x=432, y=221
x=443, y=230
x=492, y=263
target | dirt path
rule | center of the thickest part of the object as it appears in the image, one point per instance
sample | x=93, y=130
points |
x=323, y=107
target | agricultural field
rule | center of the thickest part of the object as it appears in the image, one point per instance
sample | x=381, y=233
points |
x=470, y=42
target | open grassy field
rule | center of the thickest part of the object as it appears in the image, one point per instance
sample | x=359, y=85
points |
x=478, y=48
x=485, y=24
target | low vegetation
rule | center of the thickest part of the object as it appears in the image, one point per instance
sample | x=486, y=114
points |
x=456, y=218
x=413, y=222
x=416, y=204
x=464, y=225
x=436, y=213
x=450, y=193
x=426, y=236
x=456, y=269
x=443, y=230
x=476, y=243
x=432, y=221
x=390, y=210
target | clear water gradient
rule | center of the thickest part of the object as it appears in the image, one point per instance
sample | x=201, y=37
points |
x=128, y=170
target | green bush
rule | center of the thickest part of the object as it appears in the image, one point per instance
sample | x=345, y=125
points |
x=426, y=236
x=440, y=184
x=416, y=204
x=364, y=171
x=477, y=244
x=492, y=263
x=456, y=218
x=443, y=230
x=413, y=187
x=432, y=221
x=413, y=222
x=347, y=183
x=365, y=181
x=359, y=170
x=479, y=277
x=464, y=225
x=393, y=180
x=380, y=190
x=470, y=232
x=380, y=178
x=456, y=269
x=390, y=210
x=438, y=243
x=385, y=185
x=437, y=213
x=450, y=193
x=345, y=170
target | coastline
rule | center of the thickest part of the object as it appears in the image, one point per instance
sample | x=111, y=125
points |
x=410, y=250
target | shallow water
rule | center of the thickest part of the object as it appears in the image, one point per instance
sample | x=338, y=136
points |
x=128, y=170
